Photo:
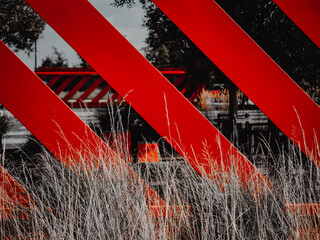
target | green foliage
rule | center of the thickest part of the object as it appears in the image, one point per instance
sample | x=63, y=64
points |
x=55, y=61
x=20, y=26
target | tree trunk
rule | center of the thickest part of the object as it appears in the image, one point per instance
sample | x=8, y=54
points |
x=233, y=112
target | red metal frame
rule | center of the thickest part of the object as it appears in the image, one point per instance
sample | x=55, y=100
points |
x=76, y=88
x=89, y=90
x=64, y=85
x=58, y=73
x=52, y=81
x=306, y=14
x=90, y=71
x=250, y=68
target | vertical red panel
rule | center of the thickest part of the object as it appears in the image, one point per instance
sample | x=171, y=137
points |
x=148, y=152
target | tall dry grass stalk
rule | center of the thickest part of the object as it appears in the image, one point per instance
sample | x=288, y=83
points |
x=103, y=204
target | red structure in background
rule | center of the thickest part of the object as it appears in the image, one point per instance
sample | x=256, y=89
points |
x=148, y=152
x=86, y=81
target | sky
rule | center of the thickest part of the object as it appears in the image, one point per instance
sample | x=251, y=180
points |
x=127, y=21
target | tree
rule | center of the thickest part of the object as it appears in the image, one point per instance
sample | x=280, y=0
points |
x=261, y=19
x=55, y=61
x=20, y=26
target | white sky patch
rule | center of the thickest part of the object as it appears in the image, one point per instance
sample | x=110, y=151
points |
x=128, y=21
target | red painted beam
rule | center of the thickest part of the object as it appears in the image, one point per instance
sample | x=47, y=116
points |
x=53, y=81
x=250, y=68
x=51, y=121
x=76, y=88
x=179, y=81
x=74, y=72
x=166, y=109
x=86, y=71
x=64, y=84
x=114, y=97
x=101, y=94
x=306, y=14
x=167, y=72
x=173, y=72
x=64, y=71
x=54, y=73
x=90, y=90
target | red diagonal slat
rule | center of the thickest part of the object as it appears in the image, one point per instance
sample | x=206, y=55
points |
x=113, y=97
x=249, y=67
x=12, y=196
x=101, y=94
x=50, y=120
x=64, y=84
x=150, y=94
x=53, y=81
x=76, y=88
x=306, y=14
x=90, y=90
x=178, y=81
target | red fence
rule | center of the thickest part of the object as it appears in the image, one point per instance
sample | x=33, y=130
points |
x=86, y=82
x=166, y=109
